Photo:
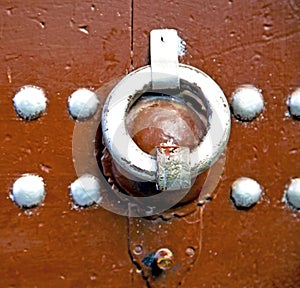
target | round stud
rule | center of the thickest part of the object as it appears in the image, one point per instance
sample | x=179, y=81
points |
x=85, y=191
x=190, y=252
x=247, y=103
x=164, y=258
x=245, y=192
x=28, y=191
x=138, y=250
x=30, y=102
x=293, y=193
x=83, y=104
x=294, y=103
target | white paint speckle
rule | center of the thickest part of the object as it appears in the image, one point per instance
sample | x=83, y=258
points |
x=28, y=191
x=292, y=194
x=84, y=29
x=83, y=104
x=294, y=103
x=30, y=102
x=247, y=102
x=85, y=191
x=245, y=192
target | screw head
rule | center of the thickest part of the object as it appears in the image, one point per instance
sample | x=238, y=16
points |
x=190, y=251
x=164, y=258
x=138, y=250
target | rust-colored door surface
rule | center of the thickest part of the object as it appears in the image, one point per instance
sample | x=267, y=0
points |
x=61, y=46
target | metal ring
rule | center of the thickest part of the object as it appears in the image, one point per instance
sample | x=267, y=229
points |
x=125, y=151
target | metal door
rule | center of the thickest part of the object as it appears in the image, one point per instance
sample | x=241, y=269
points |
x=65, y=45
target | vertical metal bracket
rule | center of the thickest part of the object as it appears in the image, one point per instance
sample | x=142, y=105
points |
x=173, y=168
x=173, y=163
x=164, y=45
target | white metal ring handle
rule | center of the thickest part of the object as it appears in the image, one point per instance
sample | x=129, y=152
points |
x=125, y=151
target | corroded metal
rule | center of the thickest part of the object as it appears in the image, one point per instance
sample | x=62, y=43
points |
x=173, y=168
x=164, y=259
x=178, y=234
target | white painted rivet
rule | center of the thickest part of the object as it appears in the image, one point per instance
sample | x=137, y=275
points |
x=83, y=104
x=85, y=191
x=292, y=194
x=247, y=103
x=245, y=192
x=294, y=103
x=28, y=191
x=30, y=102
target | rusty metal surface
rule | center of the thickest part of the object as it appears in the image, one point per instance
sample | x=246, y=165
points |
x=57, y=246
x=62, y=46
x=238, y=42
x=182, y=235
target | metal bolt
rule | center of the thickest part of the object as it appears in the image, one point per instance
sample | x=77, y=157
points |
x=293, y=193
x=247, y=103
x=164, y=258
x=294, y=103
x=245, y=192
